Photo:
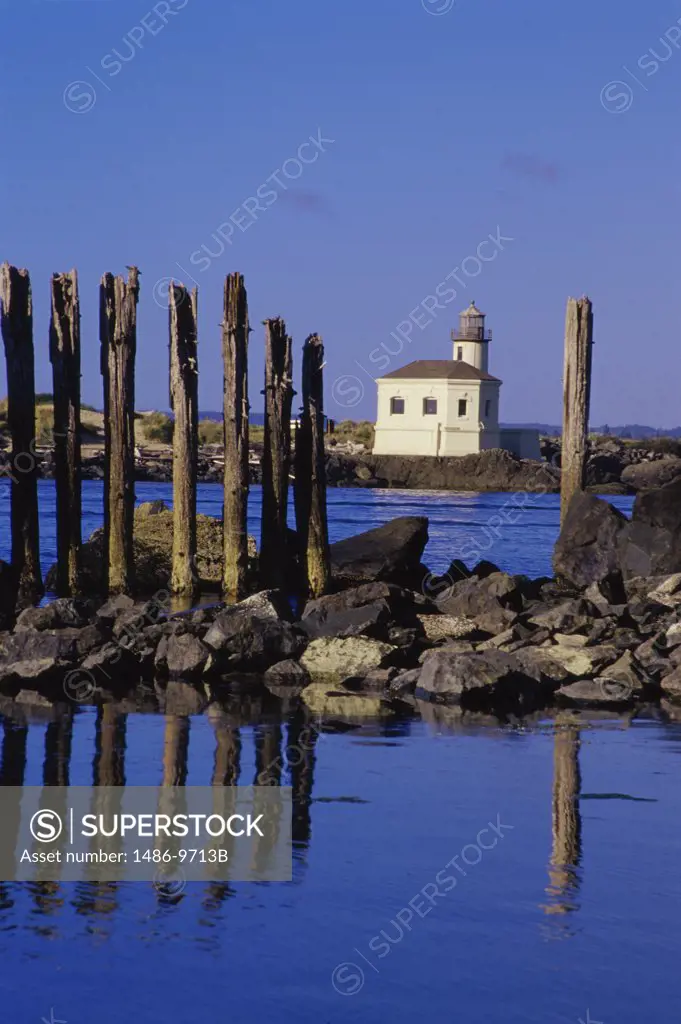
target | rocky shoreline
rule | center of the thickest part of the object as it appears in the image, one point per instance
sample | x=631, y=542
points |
x=604, y=634
x=613, y=467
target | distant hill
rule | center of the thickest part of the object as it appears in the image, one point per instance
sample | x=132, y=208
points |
x=256, y=418
x=636, y=431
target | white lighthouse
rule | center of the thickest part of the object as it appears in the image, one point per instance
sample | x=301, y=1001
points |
x=448, y=406
x=471, y=340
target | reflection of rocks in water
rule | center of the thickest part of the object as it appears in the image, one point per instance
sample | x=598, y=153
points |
x=323, y=699
x=566, y=826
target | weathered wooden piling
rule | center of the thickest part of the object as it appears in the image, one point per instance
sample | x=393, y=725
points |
x=276, y=460
x=576, y=399
x=65, y=359
x=235, y=330
x=310, y=472
x=118, y=336
x=184, y=401
x=16, y=325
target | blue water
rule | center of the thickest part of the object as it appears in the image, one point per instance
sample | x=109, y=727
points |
x=516, y=531
x=386, y=802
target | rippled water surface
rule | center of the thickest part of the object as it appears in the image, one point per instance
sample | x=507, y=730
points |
x=444, y=869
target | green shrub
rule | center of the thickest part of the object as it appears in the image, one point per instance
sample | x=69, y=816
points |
x=158, y=427
x=351, y=430
x=210, y=432
x=44, y=424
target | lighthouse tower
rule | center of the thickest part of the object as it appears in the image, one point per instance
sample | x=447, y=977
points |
x=471, y=340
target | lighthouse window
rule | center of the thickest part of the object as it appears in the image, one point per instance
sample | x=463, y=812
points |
x=396, y=406
x=462, y=406
x=430, y=406
x=459, y=352
x=488, y=406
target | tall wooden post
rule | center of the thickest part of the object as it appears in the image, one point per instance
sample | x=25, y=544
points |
x=118, y=336
x=277, y=453
x=235, y=332
x=184, y=401
x=576, y=399
x=310, y=472
x=16, y=324
x=65, y=358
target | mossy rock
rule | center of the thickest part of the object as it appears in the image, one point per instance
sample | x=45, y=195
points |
x=153, y=546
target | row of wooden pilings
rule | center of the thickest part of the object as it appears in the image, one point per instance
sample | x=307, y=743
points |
x=118, y=337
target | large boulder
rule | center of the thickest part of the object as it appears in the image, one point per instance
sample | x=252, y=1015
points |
x=484, y=679
x=651, y=544
x=644, y=475
x=181, y=656
x=240, y=640
x=59, y=614
x=391, y=553
x=494, y=469
x=492, y=603
x=339, y=659
x=367, y=609
x=153, y=544
x=587, y=548
x=46, y=655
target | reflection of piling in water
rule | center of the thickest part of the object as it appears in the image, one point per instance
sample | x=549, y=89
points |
x=300, y=753
x=108, y=766
x=108, y=778
x=566, y=822
x=58, y=737
x=56, y=764
x=227, y=763
x=172, y=798
x=12, y=772
x=268, y=760
x=268, y=771
x=175, y=750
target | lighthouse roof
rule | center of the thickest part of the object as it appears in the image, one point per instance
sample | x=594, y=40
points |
x=472, y=310
x=440, y=369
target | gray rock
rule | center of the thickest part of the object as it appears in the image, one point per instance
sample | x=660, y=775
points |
x=652, y=544
x=239, y=640
x=650, y=655
x=344, y=658
x=370, y=619
x=391, y=552
x=628, y=674
x=645, y=475
x=404, y=683
x=492, y=603
x=587, y=547
x=594, y=693
x=287, y=673
x=582, y=661
x=670, y=683
x=568, y=616
x=181, y=656
x=267, y=604
x=59, y=614
x=115, y=606
x=377, y=680
x=538, y=663
x=483, y=679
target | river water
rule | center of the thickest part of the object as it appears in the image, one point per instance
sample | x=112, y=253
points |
x=446, y=868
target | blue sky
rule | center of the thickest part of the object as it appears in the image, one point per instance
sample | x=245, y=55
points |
x=132, y=131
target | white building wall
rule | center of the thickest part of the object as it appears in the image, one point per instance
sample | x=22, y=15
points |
x=475, y=353
x=448, y=432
